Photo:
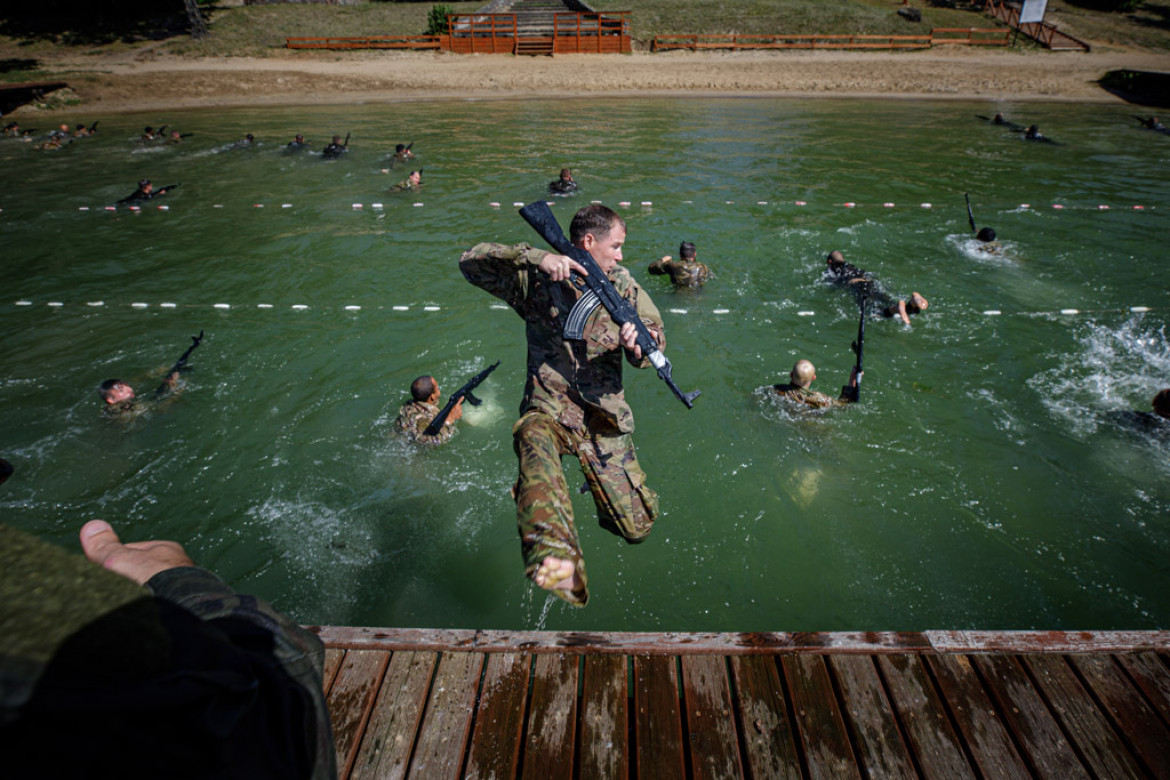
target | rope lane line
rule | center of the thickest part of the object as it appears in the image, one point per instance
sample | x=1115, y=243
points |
x=24, y=303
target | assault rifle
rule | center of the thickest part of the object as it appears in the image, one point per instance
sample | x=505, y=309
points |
x=164, y=190
x=600, y=292
x=858, y=347
x=436, y=424
x=970, y=214
x=93, y=127
x=180, y=364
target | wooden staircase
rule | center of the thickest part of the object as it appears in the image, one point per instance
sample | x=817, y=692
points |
x=535, y=25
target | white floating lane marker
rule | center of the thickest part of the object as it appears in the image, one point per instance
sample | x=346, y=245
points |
x=218, y=206
x=164, y=208
x=494, y=205
x=801, y=203
x=110, y=208
x=55, y=304
x=222, y=306
x=167, y=305
x=805, y=313
x=95, y=303
x=677, y=311
x=647, y=203
x=761, y=203
x=848, y=205
x=357, y=205
x=993, y=312
x=721, y=311
x=376, y=205
x=24, y=303
x=299, y=307
x=140, y=305
x=400, y=308
x=353, y=308
x=83, y=208
x=1070, y=311
x=286, y=205
x=926, y=205
x=257, y=205
x=1102, y=208
x=418, y=205
x=518, y=204
x=1138, y=208
x=1139, y=309
x=430, y=308
x=258, y=306
x=887, y=205
x=499, y=306
x=624, y=203
x=1057, y=206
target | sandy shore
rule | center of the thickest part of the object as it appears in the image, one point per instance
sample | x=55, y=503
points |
x=142, y=81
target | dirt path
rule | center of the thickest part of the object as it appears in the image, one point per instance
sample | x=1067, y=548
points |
x=145, y=81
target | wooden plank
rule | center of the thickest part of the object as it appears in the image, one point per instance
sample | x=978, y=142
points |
x=351, y=699
x=392, y=730
x=928, y=727
x=552, y=720
x=604, y=753
x=713, y=742
x=447, y=721
x=333, y=658
x=1046, y=749
x=1086, y=726
x=1048, y=641
x=1151, y=675
x=871, y=717
x=983, y=730
x=818, y=718
x=499, y=717
x=658, y=724
x=769, y=743
x=1131, y=716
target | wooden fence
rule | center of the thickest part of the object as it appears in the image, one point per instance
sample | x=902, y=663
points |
x=369, y=42
x=948, y=35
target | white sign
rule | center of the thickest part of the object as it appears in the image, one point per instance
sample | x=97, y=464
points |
x=1033, y=11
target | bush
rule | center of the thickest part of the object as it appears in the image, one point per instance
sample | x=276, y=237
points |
x=437, y=19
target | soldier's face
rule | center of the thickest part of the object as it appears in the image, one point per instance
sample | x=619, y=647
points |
x=607, y=249
x=119, y=393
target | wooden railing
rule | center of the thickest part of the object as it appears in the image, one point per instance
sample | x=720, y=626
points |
x=601, y=33
x=368, y=42
x=1041, y=32
x=971, y=36
x=595, y=33
x=697, y=42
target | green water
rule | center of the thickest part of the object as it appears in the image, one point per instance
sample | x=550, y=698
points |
x=980, y=483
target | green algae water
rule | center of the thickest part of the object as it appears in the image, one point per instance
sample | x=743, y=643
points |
x=984, y=480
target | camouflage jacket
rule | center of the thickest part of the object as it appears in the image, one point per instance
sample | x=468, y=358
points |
x=682, y=273
x=578, y=383
x=413, y=419
x=804, y=395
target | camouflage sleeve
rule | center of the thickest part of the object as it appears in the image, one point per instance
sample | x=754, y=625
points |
x=650, y=317
x=502, y=270
x=413, y=421
x=657, y=268
x=300, y=652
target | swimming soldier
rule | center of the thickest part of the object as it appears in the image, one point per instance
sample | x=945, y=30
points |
x=863, y=285
x=402, y=153
x=245, y=142
x=416, y=414
x=146, y=191
x=119, y=397
x=574, y=402
x=412, y=183
x=687, y=271
x=335, y=148
x=297, y=143
x=565, y=185
x=987, y=243
x=803, y=374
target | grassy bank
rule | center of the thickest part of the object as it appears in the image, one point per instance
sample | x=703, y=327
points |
x=260, y=30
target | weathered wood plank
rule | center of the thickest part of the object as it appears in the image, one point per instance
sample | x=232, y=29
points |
x=1149, y=673
x=447, y=721
x=924, y=717
x=333, y=658
x=818, y=718
x=768, y=736
x=499, y=718
x=604, y=752
x=351, y=699
x=1084, y=722
x=552, y=720
x=713, y=743
x=392, y=730
x=1047, y=641
x=1046, y=749
x=984, y=731
x=658, y=724
x=1127, y=709
x=871, y=717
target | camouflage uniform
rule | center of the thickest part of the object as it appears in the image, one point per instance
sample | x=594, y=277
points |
x=406, y=186
x=562, y=187
x=573, y=405
x=413, y=419
x=683, y=273
x=816, y=400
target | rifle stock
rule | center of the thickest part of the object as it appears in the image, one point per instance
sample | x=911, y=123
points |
x=436, y=424
x=540, y=216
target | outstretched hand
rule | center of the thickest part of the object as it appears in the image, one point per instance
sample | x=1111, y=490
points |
x=137, y=561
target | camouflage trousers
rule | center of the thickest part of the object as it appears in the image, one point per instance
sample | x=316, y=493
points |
x=544, y=508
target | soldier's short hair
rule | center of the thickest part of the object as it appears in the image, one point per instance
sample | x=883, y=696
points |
x=686, y=250
x=595, y=219
x=1162, y=403
x=985, y=234
x=105, y=387
x=422, y=388
x=142, y=183
x=803, y=373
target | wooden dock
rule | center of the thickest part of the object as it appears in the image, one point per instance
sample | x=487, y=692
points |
x=948, y=704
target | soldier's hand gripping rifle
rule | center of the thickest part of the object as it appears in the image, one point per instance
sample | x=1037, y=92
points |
x=600, y=291
x=436, y=424
x=179, y=365
x=859, y=347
